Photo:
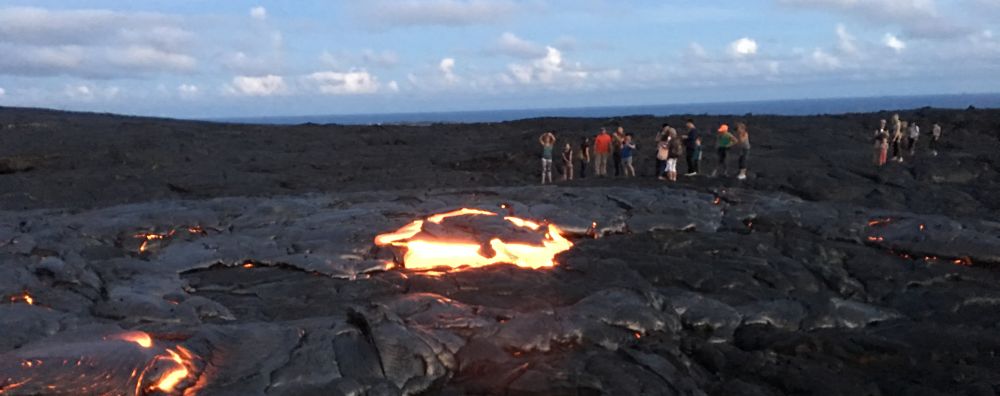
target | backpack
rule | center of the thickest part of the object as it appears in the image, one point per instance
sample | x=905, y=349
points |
x=662, y=151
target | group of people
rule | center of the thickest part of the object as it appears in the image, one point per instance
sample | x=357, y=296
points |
x=902, y=136
x=620, y=148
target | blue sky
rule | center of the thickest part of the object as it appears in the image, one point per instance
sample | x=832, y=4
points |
x=187, y=58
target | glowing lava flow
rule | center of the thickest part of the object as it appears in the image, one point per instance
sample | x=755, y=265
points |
x=425, y=253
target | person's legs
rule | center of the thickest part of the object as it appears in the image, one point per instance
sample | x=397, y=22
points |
x=617, y=158
x=744, y=153
x=882, y=154
x=629, y=168
x=583, y=169
x=913, y=145
x=690, y=161
x=671, y=169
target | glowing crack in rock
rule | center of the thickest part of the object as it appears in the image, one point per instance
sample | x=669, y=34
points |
x=424, y=253
x=128, y=363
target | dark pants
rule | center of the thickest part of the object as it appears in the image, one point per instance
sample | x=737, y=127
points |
x=723, y=153
x=617, y=158
x=744, y=153
x=897, y=149
x=661, y=167
x=583, y=169
x=934, y=143
x=692, y=162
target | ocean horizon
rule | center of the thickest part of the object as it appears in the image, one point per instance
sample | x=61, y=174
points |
x=791, y=107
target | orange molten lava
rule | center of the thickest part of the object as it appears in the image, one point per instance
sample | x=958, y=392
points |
x=424, y=254
x=178, y=373
x=23, y=297
x=140, y=338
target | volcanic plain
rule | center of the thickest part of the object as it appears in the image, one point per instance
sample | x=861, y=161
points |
x=155, y=256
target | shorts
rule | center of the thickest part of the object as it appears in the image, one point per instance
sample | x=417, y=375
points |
x=672, y=164
x=627, y=161
x=546, y=164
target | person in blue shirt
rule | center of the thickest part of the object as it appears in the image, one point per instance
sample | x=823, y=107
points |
x=628, y=151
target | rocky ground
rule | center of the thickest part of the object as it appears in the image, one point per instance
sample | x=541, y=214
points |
x=246, y=255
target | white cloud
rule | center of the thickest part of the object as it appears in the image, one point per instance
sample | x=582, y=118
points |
x=697, y=51
x=90, y=92
x=547, y=70
x=267, y=85
x=510, y=44
x=92, y=43
x=447, y=67
x=3, y=91
x=187, y=90
x=743, y=47
x=259, y=13
x=150, y=58
x=393, y=86
x=398, y=13
x=917, y=18
x=845, y=41
x=824, y=60
x=893, y=42
x=339, y=83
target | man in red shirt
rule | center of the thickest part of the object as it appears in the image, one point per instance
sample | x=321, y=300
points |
x=602, y=151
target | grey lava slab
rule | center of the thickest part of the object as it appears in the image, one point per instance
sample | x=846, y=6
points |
x=667, y=291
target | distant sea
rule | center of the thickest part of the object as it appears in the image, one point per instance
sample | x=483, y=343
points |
x=796, y=107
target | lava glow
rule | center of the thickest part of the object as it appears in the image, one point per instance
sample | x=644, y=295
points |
x=169, y=381
x=424, y=253
x=138, y=337
x=23, y=297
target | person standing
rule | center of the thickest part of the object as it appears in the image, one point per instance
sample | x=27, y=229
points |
x=627, y=152
x=897, y=138
x=567, y=162
x=914, y=134
x=617, y=143
x=693, y=146
x=881, y=142
x=662, y=155
x=722, y=146
x=664, y=131
x=881, y=136
x=602, y=151
x=548, y=142
x=584, y=157
x=676, y=151
x=935, y=137
x=743, y=147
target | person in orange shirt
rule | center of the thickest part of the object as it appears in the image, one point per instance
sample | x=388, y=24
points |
x=602, y=151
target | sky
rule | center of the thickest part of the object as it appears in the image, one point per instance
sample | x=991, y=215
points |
x=235, y=58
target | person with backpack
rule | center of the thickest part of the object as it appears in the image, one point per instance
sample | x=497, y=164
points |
x=722, y=146
x=662, y=155
x=664, y=131
x=548, y=142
